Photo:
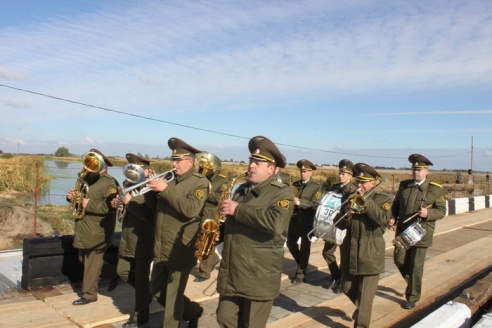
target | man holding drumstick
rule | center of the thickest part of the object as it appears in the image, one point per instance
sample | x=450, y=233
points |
x=417, y=199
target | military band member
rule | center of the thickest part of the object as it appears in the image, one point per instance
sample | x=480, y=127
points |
x=209, y=165
x=426, y=199
x=178, y=204
x=255, y=233
x=301, y=223
x=363, y=247
x=136, y=247
x=345, y=187
x=94, y=231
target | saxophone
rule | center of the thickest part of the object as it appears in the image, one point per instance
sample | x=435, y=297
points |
x=205, y=243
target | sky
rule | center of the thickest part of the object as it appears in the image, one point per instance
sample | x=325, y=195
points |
x=370, y=81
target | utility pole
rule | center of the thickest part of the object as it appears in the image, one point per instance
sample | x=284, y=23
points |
x=470, y=171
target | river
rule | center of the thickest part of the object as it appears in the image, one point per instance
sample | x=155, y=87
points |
x=63, y=177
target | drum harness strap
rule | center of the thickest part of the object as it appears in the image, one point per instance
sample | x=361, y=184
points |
x=421, y=204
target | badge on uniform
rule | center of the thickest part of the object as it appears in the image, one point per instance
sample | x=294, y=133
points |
x=200, y=194
x=113, y=191
x=386, y=206
x=285, y=203
x=318, y=195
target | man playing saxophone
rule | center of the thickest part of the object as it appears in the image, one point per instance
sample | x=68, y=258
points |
x=209, y=165
x=254, y=236
x=94, y=230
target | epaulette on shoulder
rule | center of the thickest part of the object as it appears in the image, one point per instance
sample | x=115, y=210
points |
x=198, y=175
x=436, y=184
x=277, y=183
x=222, y=175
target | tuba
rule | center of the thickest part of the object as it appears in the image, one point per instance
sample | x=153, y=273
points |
x=93, y=162
x=205, y=243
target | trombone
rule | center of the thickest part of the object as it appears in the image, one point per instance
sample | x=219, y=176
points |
x=356, y=202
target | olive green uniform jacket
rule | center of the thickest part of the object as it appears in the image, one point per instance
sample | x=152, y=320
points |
x=178, y=210
x=253, y=254
x=404, y=207
x=96, y=228
x=309, y=198
x=137, y=230
x=364, y=245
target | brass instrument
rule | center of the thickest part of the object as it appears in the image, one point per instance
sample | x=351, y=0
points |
x=93, y=162
x=166, y=176
x=357, y=203
x=205, y=243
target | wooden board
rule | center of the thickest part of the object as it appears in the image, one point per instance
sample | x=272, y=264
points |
x=32, y=314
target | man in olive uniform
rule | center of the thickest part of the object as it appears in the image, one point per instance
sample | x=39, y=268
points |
x=426, y=199
x=178, y=204
x=301, y=223
x=363, y=247
x=136, y=246
x=255, y=233
x=209, y=165
x=345, y=188
x=94, y=231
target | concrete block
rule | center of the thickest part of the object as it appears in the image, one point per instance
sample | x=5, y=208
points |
x=450, y=315
x=478, y=203
x=458, y=205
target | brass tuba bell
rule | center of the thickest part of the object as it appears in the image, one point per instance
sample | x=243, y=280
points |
x=93, y=162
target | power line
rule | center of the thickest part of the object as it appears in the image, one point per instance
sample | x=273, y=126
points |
x=205, y=130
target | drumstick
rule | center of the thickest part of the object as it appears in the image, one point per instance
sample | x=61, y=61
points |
x=428, y=206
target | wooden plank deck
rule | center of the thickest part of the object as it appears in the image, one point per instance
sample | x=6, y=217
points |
x=462, y=249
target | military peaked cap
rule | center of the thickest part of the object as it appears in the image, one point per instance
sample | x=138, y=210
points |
x=263, y=149
x=366, y=172
x=346, y=166
x=181, y=149
x=108, y=162
x=419, y=161
x=305, y=165
x=134, y=159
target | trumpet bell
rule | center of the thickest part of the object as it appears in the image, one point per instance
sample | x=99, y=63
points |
x=133, y=173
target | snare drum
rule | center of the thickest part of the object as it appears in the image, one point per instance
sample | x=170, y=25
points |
x=408, y=238
x=323, y=220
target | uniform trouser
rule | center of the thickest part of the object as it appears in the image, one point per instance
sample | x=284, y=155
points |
x=136, y=272
x=168, y=286
x=361, y=290
x=92, y=259
x=206, y=266
x=411, y=266
x=330, y=258
x=240, y=312
x=300, y=254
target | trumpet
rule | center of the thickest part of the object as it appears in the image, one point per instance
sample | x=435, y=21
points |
x=166, y=176
x=93, y=162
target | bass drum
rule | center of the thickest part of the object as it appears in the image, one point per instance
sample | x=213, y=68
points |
x=328, y=208
x=408, y=238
